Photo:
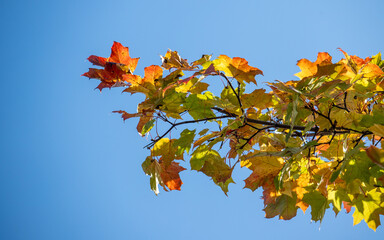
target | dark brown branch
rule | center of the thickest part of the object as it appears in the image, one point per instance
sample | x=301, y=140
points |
x=345, y=101
x=253, y=135
x=154, y=141
x=357, y=143
x=337, y=106
x=334, y=131
x=356, y=131
x=279, y=125
x=234, y=91
x=322, y=115
x=378, y=141
x=286, y=126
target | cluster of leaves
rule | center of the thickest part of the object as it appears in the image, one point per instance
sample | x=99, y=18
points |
x=312, y=142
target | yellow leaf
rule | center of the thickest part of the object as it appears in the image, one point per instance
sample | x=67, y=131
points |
x=376, y=155
x=173, y=60
x=309, y=69
x=263, y=165
x=258, y=98
x=237, y=67
x=377, y=129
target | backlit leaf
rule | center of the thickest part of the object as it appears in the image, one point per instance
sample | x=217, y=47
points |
x=237, y=68
x=307, y=142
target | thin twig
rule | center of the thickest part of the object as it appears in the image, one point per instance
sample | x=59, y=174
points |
x=234, y=91
x=154, y=141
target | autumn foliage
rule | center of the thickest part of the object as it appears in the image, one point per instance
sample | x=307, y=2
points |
x=313, y=142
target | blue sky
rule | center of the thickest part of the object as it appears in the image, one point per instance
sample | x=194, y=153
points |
x=70, y=169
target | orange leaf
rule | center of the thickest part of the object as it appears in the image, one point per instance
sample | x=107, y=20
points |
x=126, y=115
x=103, y=85
x=133, y=79
x=170, y=175
x=99, y=61
x=152, y=73
x=310, y=69
x=347, y=206
x=269, y=191
x=173, y=60
x=356, y=60
x=302, y=205
x=99, y=74
x=116, y=67
x=237, y=67
x=120, y=54
x=372, y=70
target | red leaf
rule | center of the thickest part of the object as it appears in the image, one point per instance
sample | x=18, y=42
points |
x=126, y=115
x=99, y=61
x=120, y=54
x=171, y=177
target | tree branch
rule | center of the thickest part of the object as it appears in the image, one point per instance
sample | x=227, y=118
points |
x=234, y=91
x=154, y=141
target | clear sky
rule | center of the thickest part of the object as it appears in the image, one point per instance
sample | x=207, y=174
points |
x=70, y=169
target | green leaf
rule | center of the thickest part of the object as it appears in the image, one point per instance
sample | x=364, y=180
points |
x=279, y=179
x=336, y=197
x=334, y=176
x=228, y=94
x=228, y=101
x=147, y=127
x=357, y=167
x=202, y=154
x=369, y=207
x=211, y=164
x=199, y=105
x=377, y=60
x=376, y=155
x=292, y=116
x=318, y=204
x=152, y=168
x=203, y=60
x=204, y=131
x=308, y=126
x=377, y=117
x=172, y=104
x=184, y=142
x=285, y=207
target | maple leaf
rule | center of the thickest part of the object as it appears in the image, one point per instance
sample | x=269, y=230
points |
x=263, y=170
x=173, y=60
x=199, y=105
x=170, y=175
x=111, y=73
x=270, y=192
x=146, y=85
x=355, y=60
x=318, y=204
x=308, y=143
x=163, y=175
x=369, y=207
x=164, y=148
x=338, y=196
x=237, y=67
x=376, y=155
x=183, y=144
x=96, y=60
x=116, y=66
x=258, y=98
x=126, y=115
x=322, y=65
x=211, y=164
x=203, y=60
x=152, y=73
x=285, y=207
x=120, y=54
